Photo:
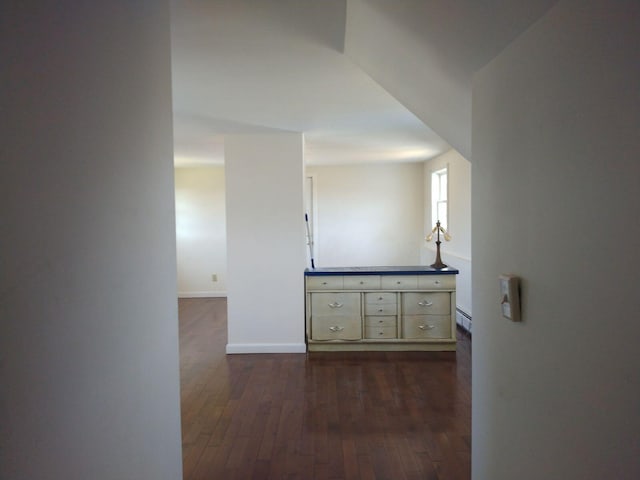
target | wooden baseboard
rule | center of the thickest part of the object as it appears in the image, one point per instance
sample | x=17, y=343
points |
x=381, y=347
x=234, y=348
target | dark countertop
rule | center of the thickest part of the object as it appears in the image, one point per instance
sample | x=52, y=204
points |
x=395, y=270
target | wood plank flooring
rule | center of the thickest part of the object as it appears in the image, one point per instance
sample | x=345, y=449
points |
x=325, y=416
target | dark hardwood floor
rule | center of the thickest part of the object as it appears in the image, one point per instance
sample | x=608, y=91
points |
x=360, y=415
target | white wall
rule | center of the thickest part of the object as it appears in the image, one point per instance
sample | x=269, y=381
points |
x=556, y=191
x=457, y=251
x=201, y=231
x=368, y=214
x=265, y=242
x=88, y=332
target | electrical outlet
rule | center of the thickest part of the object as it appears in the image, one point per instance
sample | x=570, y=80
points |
x=214, y=277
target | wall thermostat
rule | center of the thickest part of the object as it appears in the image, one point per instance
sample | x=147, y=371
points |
x=510, y=297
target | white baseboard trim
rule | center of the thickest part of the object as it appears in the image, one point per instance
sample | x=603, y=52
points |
x=233, y=348
x=205, y=294
x=464, y=320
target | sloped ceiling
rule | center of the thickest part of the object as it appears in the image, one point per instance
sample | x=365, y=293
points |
x=431, y=48
x=364, y=80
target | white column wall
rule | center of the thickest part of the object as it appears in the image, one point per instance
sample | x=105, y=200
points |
x=265, y=243
x=556, y=192
x=89, y=383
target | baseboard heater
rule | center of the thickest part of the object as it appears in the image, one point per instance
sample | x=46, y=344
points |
x=463, y=319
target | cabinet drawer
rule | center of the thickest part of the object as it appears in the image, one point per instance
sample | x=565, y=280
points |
x=426, y=326
x=436, y=282
x=426, y=303
x=375, y=321
x=335, y=304
x=361, y=282
x=376, y=298
x=336, y=328
x=380, y=332
x=380, y=309
x=399, y=282
x=325, y=282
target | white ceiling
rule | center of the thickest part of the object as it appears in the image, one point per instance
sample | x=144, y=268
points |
x=251, y=66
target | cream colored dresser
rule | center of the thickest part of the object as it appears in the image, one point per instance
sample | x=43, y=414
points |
x=380, y=308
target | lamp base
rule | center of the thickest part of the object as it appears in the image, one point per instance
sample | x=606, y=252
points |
x=438, y=264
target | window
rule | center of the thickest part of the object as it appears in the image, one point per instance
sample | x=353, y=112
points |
x=439, y=206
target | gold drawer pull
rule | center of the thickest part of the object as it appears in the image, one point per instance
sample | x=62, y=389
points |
x=425, y=303
x=426, y=327
x=336, y=329
x=336, y=305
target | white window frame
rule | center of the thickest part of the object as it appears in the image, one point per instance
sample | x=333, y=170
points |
x=440, y=196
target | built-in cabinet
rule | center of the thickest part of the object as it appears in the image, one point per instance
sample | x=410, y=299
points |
x=380, y=308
